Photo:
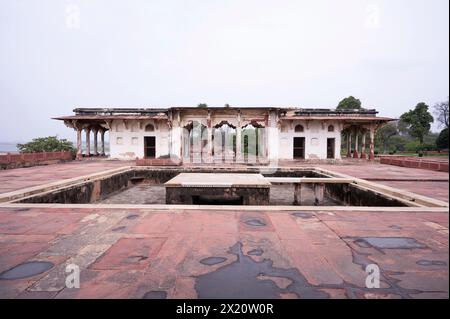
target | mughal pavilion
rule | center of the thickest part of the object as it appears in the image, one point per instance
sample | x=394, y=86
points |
x=236, y=134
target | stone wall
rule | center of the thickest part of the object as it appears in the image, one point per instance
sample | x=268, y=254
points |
x=415, y=162
x=9, y=161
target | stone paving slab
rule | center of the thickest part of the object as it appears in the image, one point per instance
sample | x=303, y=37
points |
x=144, y=253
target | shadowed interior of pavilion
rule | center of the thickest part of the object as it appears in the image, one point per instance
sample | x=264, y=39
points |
x=224, y=143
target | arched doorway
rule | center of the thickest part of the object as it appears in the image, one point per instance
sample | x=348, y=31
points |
x=224, y=142
x=194, y=142
x=253, y=137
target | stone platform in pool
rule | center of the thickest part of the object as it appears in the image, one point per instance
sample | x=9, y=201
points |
x=204, y=188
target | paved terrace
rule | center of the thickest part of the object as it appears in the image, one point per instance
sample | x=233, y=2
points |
x=186, y=253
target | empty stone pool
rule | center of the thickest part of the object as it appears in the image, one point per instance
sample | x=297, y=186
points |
x=145, y=186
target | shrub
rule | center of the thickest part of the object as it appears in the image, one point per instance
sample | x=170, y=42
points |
x=47, y=144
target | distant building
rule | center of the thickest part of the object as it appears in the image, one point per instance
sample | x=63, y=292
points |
x=238, y=134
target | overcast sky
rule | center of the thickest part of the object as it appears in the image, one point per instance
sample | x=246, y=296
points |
x=56, y=55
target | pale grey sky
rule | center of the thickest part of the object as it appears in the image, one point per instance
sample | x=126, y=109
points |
x=56, y=55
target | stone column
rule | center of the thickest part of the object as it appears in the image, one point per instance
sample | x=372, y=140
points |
x=95, y=131
x=102, y=138
x=79, y=150
x=88, y=141
x=319, y=190
x=363, y=146
x=238, y=138
x=349, y=144
x=355, y=153
x=298, y=194
x=372, y=144
x=209, y=131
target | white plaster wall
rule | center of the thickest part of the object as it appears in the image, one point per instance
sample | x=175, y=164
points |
x=132, y=146
x=315, y=139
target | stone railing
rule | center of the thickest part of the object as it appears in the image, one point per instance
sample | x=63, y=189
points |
x=32, y=159
x=416, y=162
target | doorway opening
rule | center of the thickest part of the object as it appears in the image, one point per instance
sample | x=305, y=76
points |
x=299, y=148
x=330, y=148
x=149, y=146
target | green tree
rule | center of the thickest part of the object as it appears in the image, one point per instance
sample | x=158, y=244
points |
x=349, y=103
x=46, y=144
x=385, y=133
x=202, y=105
x=418, y=121
x=442, y=140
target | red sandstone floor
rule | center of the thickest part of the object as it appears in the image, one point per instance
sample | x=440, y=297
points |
x=137, y=253
x=313, y=254
x=14, y=179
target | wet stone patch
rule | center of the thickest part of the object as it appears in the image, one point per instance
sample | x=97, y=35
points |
x=155, y=295
x=431, y=263
x=255, y=252
x=211, y=261
x=388, y=242
x=242, y=279
x=303, y=215
x=25, y=270
x=132, y=216
x=120, y=228
x=257, y=222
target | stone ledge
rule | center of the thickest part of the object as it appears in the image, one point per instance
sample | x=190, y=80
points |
x=157, y=162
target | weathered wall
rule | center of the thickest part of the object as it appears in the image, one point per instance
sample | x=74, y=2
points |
x=84, y=193
x=9, y=161
x=127, y=142
x=352, y=195
x=315, y=135
x=250, y=196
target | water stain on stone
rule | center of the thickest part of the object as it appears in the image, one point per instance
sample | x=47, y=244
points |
x=155, y=295
x=255, y=222
x=431, y=263
x=242, y=279
x=119, y=228
x=255, y=252
x=304, y=215
x=210, y=261
x=395, y=227
x=389, y=242
x=132, y=216
x=25, y=270
x=138, y=258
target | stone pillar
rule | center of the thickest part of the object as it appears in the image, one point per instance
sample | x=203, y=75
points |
x=355, y=153
x=209, y=131
x=298, y=199
x=102, y=138
x=95, y=131
x=239, y=138
x=88, y=141
x=349, y=144
x=363, y=146
x=79, y=150
x=319, y=190
x=372, y=144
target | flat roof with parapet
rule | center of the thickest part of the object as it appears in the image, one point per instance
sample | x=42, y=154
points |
x=218, y=180
x=286, y=113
